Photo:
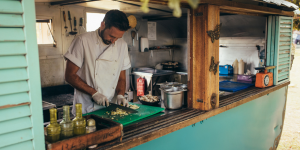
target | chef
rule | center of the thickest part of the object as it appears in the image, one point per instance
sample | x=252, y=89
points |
x=96, y=64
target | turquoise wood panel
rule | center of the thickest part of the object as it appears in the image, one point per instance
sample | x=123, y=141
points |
x=11, y=99
x=11, y=34
x=8, y=75
x=12, y=48
x=11, y=20
x=34, y=74
x=284, y=47
x=284, y=60
x=15, y=137
x=269, y=40
x=283, y=77
x=276, y=48
x=27, y=145
x=284, y=66
x=11, y=7
x=15, y=124
x=14, y=112
x=251, y=126
x=13, y=87
x=7, y=62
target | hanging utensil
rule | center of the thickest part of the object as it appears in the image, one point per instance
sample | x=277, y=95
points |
x=69, y=17
x=65, y=18
x=137, y=28
x=133, y=33
x=81, y=25
x=75, y=23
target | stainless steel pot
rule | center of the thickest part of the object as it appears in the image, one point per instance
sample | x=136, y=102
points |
x=167, y=85
x=173, y=99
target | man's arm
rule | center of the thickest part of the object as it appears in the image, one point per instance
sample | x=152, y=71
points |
x=73, y=79
x=121, y=86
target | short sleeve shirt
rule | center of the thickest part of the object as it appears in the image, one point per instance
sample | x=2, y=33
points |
x=99, y=66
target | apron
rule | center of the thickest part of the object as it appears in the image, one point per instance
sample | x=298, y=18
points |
x=107, y=80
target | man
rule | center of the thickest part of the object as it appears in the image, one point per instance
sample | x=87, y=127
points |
x=96, y=64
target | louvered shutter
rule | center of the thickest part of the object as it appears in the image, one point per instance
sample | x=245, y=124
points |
x=21, y=119
x=284, y=45
x=279, y=44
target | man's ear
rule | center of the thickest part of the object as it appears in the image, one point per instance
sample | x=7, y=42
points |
x=102, y=27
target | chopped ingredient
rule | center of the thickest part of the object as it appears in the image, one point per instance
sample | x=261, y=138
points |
x=149, y=98
x=134, y=106
x=118, y=112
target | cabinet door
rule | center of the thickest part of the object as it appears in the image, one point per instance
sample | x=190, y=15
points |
x=21, y=115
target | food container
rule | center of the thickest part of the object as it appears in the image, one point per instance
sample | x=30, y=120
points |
x=247, y=78
x=173, y=99
x=167, y=85
x=225, y=69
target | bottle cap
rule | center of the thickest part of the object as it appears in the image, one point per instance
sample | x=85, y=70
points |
x=91, y=122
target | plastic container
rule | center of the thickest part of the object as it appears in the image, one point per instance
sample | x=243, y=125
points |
x=225, y=69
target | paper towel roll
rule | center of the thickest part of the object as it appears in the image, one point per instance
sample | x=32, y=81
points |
x=235, y=66
x=241, y=67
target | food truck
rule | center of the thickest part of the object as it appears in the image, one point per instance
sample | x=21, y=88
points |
x=217, y=111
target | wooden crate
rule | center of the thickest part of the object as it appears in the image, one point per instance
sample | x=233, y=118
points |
x=106, y=130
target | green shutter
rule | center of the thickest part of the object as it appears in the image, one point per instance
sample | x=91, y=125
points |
x=280, y=32
x=284, y=46
x=21, y=112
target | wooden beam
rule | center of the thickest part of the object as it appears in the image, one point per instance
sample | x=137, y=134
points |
x=231, y=6
x=204, y=83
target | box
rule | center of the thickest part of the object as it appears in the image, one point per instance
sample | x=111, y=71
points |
x=106, y=130
x=225, y=69
x=247, y=78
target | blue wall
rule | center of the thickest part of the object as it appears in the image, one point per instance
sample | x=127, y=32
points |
x=251, y=126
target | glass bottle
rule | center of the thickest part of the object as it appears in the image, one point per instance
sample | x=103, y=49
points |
x=79, y=122
x=91, y=127
x=53, y=129
x=66, y=124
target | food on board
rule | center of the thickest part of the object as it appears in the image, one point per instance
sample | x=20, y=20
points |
x=134, y=106
x=119, y=112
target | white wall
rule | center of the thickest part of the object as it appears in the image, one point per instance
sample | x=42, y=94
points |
x=52, y=63
x=241, y=48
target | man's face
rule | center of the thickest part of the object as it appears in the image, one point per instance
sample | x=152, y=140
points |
x=110, y=35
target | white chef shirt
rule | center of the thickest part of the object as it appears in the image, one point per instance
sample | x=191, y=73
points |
x=100, y=66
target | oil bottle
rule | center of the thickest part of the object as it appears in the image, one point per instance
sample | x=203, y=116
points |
x=79, y=122
x=66, y=124
x=53, y=129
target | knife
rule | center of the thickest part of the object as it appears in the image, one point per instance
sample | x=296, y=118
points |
x=113, y=107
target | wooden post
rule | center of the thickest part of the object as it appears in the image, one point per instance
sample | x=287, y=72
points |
x=203, y=84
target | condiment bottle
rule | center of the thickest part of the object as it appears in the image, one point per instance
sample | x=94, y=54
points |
x=66, y=124
x=241, y=67
x=235, y=66
x=91, y=127
x=53, y=129
x=79, y=122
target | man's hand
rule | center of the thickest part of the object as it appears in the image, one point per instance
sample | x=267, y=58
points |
x=100, y=99
x=122, y=100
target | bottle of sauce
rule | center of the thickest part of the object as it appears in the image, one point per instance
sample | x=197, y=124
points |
x=53, y=129
x=79, y=122
x=66, y=124
x=235, y=66
x=91, y=127
x=241, y=67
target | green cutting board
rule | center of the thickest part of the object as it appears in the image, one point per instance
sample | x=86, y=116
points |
x=143, y=112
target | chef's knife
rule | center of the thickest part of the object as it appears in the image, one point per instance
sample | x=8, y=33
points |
x=113, y=107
